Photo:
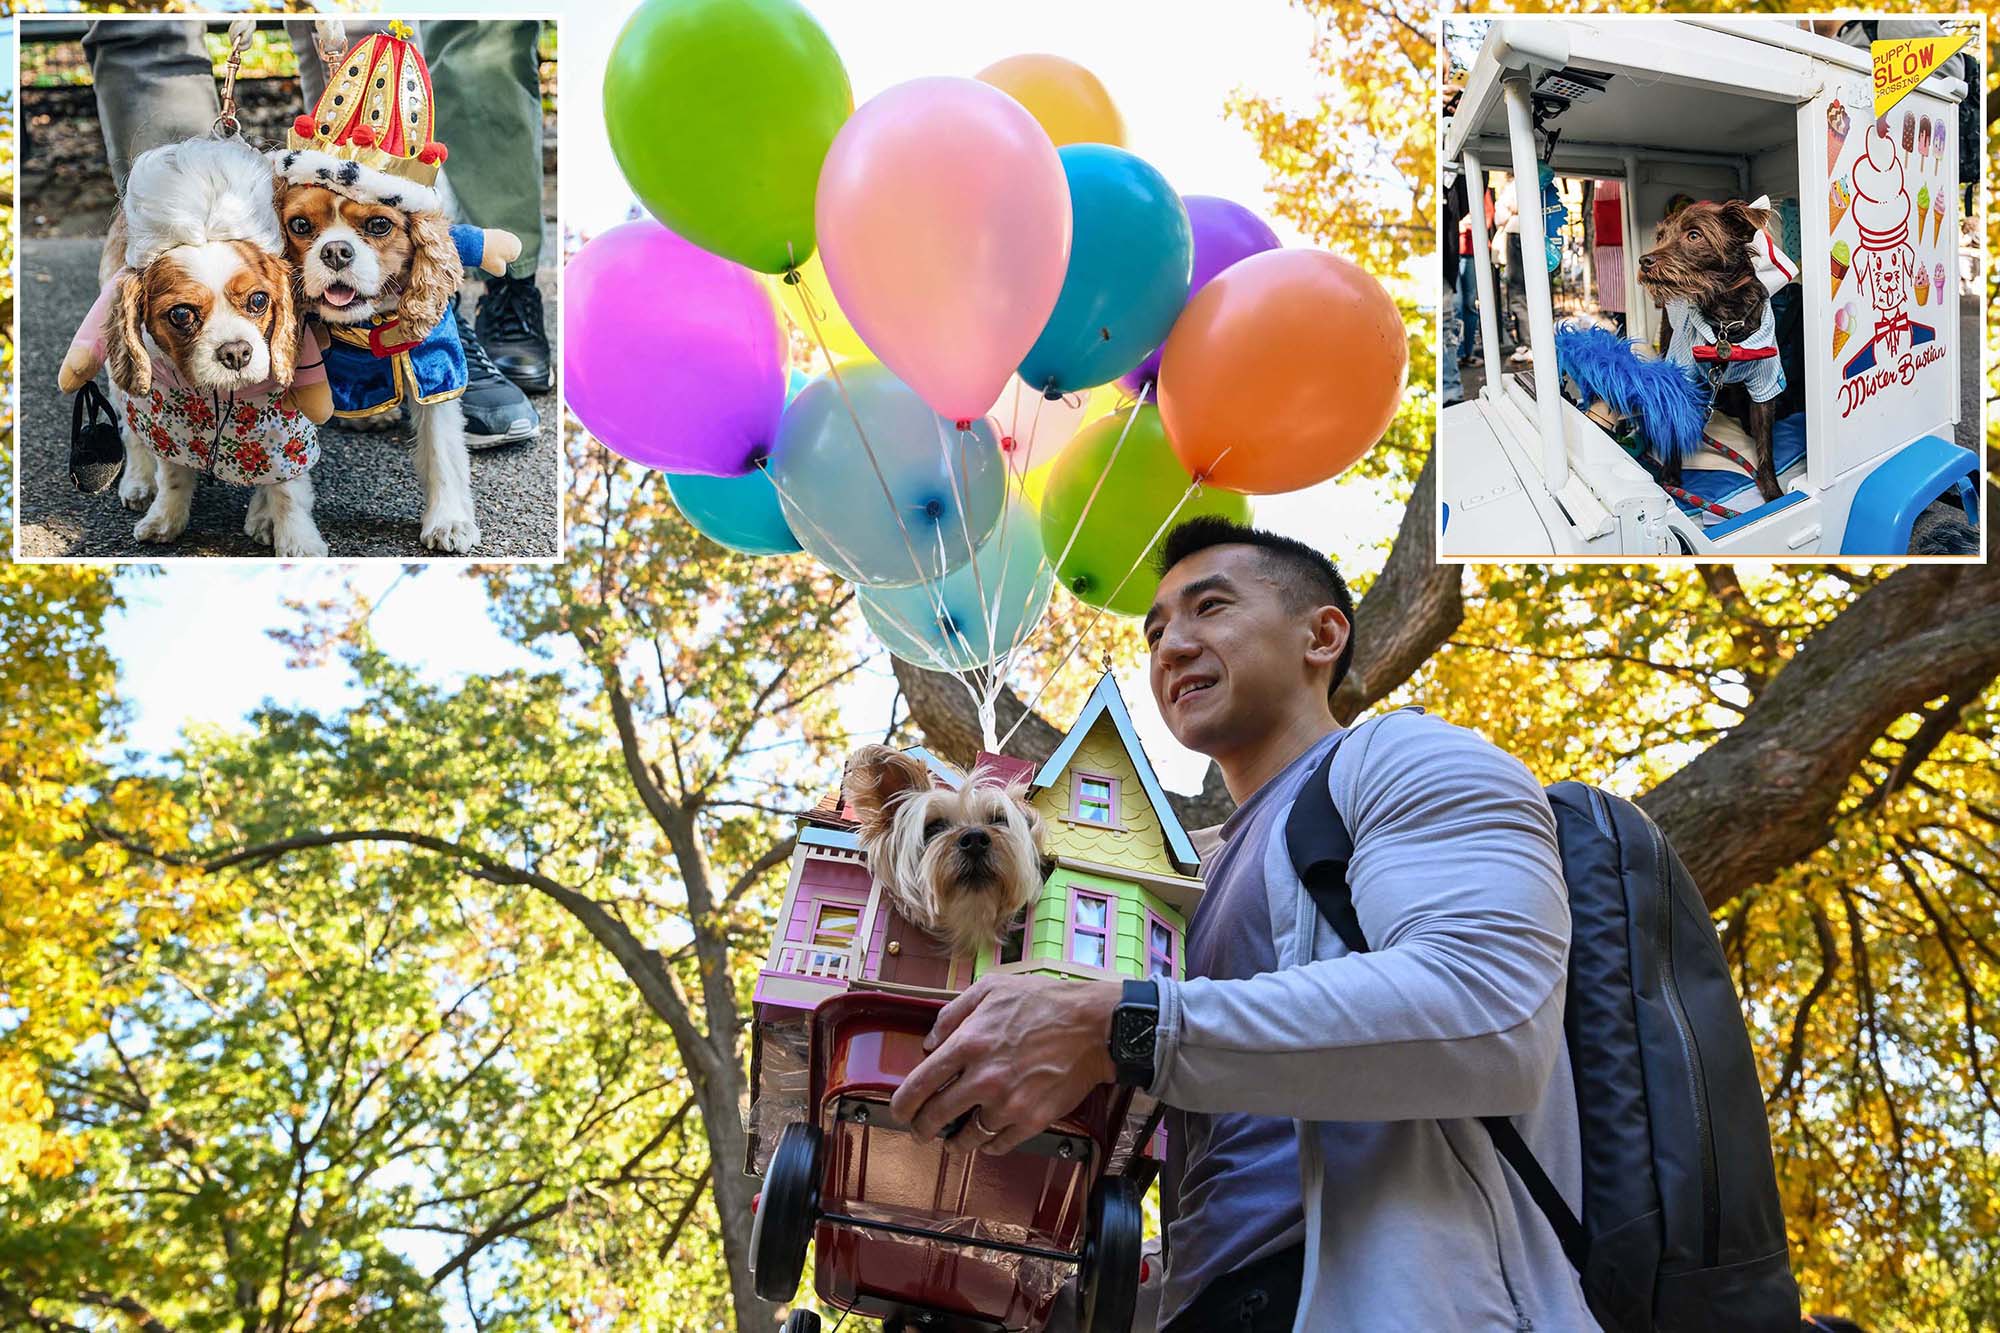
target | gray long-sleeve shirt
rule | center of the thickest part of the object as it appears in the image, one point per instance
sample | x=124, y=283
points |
x=1384, y=1060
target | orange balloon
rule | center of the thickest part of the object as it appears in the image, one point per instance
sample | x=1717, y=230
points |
x=1282, y=371
x=1064, y=96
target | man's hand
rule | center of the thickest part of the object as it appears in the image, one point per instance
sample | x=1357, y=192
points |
x=1019, y=1050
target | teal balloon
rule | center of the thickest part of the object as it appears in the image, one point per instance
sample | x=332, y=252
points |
x=742, y=513
x=969, y=619
x=1130, y=260
x=947, y=486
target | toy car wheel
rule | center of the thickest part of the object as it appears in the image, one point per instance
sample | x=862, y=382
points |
x=802, y=1321
x=786, y=1212
x=1110, y=1269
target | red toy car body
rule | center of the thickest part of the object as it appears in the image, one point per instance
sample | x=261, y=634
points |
x=922, y=1236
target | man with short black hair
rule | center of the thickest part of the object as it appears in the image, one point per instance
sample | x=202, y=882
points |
x=1326, y=1169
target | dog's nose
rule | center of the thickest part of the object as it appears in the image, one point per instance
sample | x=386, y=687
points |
x=974, y=840
x=1645, y=263
x=336, y=254
x=235, y=355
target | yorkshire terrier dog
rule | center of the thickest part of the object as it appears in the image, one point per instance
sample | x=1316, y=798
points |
x=1715, y=269
x=959, y=862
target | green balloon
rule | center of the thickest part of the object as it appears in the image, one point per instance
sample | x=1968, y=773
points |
x=720, y=113
x=1140, y=490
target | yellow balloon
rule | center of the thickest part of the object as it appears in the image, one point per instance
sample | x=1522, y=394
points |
x=1064, y=96
x=841, y=339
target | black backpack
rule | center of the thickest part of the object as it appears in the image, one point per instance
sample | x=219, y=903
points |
x=1681, y=1226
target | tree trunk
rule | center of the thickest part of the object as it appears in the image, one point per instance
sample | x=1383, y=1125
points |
x=722, y=1122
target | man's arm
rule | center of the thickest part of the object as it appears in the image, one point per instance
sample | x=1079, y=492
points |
x=1458, y=1011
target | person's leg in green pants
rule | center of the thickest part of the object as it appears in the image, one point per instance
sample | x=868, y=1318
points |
x=487, y=78
x=154, y=86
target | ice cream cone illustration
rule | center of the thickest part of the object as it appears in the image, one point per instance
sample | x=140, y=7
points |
x=1937, y=283
x=1923, y=285
x=1937, y=212
x=1840, y=261
x=1837, y=124
x=1843, y=326
x=1923, y=210
x=1839, y=198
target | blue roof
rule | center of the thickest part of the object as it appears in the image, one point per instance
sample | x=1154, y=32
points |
x=1105, y=700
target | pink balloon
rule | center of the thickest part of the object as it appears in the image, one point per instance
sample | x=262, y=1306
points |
x=944, y=224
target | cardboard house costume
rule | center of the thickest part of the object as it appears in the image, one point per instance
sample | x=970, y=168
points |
x=1122, y=887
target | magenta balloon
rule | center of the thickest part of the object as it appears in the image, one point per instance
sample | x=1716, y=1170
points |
x=1224, y=232
x=943, y=221
x=671, y=355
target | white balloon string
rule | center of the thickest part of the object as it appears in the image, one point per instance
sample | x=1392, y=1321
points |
x=888, y=496
x=938, y=661
x=1077, y=642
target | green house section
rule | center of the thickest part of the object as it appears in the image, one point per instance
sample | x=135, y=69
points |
x=1130, y=901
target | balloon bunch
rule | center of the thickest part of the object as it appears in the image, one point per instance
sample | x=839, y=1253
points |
x=1037, y=355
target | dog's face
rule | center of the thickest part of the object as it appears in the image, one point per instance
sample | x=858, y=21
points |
x=1702, y=255
x=221, y=312
x=358, y=260
x=960, y=863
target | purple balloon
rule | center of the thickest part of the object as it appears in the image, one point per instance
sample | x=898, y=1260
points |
x=671, y=355
x=1224, y=232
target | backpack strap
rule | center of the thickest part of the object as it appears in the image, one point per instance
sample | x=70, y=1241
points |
x=1320, y=847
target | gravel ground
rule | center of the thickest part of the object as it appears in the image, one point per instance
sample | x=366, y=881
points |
x=369, y=502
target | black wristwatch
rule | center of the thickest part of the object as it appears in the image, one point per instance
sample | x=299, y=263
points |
x=1132, y=1025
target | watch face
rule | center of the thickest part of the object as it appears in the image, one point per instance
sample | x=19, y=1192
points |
x=1132, y=1036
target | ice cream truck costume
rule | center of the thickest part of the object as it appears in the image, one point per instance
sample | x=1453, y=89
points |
x=1721, y=109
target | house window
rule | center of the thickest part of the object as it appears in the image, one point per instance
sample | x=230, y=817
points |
x=1090, y=929
x=835, y=926
x=1093, y=798
x=1014, y=943
x=1160, y=947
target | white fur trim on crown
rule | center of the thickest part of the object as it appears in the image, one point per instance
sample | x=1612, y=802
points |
x=195, y=192
x=312, y=166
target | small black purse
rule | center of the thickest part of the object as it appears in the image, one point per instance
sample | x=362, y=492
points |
x=96, y=450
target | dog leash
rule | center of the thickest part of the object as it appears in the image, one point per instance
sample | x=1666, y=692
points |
x=227, y=125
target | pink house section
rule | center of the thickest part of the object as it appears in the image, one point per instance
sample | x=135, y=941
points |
x=821, y=882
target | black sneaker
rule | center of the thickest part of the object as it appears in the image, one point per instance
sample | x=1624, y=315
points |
x=510, y=324
x=496, y=412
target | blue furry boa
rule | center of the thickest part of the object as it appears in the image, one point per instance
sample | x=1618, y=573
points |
x=1670, y=403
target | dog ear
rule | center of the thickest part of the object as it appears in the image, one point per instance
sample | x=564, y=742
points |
x=434, y=274
x=1743, y=221
x=285, y=327
x=876, y=777
x=124, y=341
x=1017, y=792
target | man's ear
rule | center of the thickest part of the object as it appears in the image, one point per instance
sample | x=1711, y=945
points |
x=124, y=337
x=877, y=777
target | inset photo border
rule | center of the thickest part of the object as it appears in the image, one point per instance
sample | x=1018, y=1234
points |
x=1759, y=330
x=229, y=231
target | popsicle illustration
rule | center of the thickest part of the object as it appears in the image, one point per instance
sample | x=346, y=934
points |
x=1843, y=322
x=1839, y=260
x=1923, y=139
x=1840, y=198
x=1923, y=210
x=1837, y=125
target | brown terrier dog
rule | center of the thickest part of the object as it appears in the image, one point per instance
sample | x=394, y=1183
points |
x=1705, y=271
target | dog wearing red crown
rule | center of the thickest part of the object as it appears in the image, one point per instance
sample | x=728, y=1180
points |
x=379, y=264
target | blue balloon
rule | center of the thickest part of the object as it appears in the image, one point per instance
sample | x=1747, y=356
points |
x=947, y=485
x=742, y=513
x=1131, y=255
x=969, y=618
